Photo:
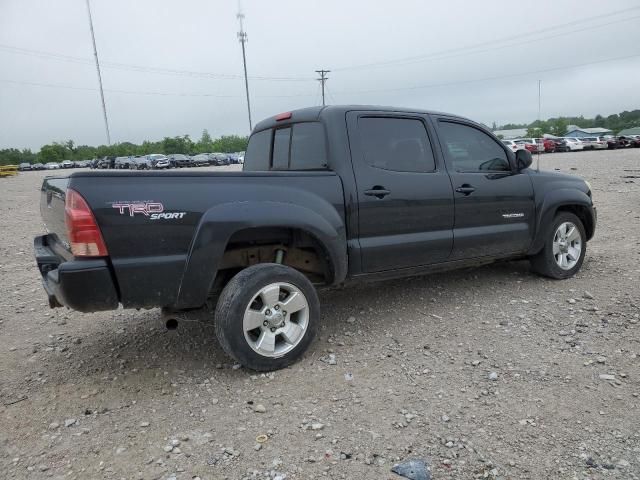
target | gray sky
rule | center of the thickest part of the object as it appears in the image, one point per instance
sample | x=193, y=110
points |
x=379, y=53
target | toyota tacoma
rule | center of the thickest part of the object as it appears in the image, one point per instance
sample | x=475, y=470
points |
x=327, y=196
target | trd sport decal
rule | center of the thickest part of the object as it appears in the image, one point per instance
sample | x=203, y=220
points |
x=153, y=210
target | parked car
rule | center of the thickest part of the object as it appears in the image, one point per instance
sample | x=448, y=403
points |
x=140, y=162
x=594, y=143
x=513, y=146
x=219, y=159
x=37, y=166
x=159, y=161
x=560, y=145
x=52, y=165
x=23, y=167
x=574, y=144
x=612, y=142
x=530, y=145
x=66, y=164
x=200, y=160
x=106, y=162
x=549, y=145
x=178, y=160
x=257, y=245
x=123, y=163
x=625, y=141
x=545, y=145
x=634, y=141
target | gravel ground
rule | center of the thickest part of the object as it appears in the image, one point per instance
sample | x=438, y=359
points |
x=486, y=373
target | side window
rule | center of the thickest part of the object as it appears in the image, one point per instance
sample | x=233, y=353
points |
x=471, y=150
x=396, y=144
x=256, y=158
x=308, y=150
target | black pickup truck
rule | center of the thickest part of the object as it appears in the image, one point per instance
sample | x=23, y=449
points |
x=328, y=195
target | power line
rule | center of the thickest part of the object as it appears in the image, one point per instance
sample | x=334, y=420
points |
x=470, y=49
x=330, y=96
x=498, y=77
x=133, y=92
x=323, y=78
x=416, y=87
x=459, y=51
x=145, y=68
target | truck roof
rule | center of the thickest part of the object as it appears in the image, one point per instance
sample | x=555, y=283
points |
x=311, y=114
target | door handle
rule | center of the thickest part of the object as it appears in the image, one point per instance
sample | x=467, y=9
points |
x=465, y=189
x=377, y=191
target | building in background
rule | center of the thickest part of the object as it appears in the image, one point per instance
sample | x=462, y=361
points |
x=576, y=132
x=629, y=131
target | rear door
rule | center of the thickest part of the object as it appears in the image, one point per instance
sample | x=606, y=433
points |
x=405, y=198
x=494, y=203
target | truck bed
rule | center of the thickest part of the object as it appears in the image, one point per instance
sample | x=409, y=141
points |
x=165, y=230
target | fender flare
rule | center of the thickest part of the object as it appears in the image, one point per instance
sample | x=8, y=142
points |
x=551, y=203
x=221, y=222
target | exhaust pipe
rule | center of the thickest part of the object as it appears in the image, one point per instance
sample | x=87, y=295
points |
x=171, y=324
x=170, y=319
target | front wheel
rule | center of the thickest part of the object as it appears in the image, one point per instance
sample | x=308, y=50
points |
x=266, y=316
x=564, y=248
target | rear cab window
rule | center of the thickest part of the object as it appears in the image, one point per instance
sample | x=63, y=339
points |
x=301, y=146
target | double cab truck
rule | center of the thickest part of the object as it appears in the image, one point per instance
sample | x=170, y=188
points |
x=327, y=196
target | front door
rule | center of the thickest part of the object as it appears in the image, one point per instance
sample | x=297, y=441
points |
x=494, y=203
x=405, y=199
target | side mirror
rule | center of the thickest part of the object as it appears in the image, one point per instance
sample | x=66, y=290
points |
x=524, y=159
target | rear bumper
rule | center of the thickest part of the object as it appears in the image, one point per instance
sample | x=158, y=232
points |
x=82, y=285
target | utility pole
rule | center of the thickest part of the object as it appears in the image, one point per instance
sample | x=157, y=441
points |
x=242, y=36
x=323, y=78
x=95, y=54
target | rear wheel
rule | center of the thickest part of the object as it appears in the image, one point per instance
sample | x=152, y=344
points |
x=266, y=316
x=564, y=248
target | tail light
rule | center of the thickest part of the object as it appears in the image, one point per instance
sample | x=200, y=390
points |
x=83, y=232
x=283, y=116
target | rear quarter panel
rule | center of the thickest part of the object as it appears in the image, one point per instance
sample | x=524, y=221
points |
x=150, y=256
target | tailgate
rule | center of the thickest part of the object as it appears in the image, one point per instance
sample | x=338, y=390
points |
x=52, y=198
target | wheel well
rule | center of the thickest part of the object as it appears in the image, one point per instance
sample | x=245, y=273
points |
x=299, y=250
x=583, y=214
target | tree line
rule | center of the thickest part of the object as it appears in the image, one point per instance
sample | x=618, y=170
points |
x=558, y=126
x=68, y=150
x=58, y=151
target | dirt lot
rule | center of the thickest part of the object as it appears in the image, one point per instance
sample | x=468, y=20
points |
x=115, y=395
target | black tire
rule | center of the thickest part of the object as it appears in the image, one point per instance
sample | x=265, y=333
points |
x=544, y=262
x=234, y=301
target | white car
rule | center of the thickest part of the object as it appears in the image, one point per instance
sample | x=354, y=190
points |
x=513, y=146
x=52, y=165
x=597, y=143
x=574, y=144
x=159, y=161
